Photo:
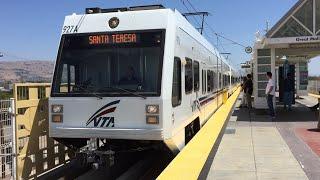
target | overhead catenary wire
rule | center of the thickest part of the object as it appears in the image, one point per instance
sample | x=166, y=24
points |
x=211, y=29
x=219, y=43
x=195, y=19
x=218, y=35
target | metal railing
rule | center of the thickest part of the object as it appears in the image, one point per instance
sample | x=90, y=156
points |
x=7, y=143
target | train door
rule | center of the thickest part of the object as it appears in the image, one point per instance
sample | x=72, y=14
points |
x=204, y=92
x=192, y=88
x=176, y=97
x=196, y=87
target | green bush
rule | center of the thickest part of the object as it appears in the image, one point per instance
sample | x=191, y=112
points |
x=5, y=95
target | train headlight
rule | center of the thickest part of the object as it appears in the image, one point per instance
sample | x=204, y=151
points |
x=114, y=22
x=56, y=108
x=152, y=119
x=57, y=118
x=152, y=109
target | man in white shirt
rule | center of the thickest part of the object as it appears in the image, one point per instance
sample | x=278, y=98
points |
x=270, y=92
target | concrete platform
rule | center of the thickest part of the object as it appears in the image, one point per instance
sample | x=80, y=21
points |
x=255, y=148
x=191, y=162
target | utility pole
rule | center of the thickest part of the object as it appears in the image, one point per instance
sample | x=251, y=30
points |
x=202, y=14
x=226, y=55
x=267, y=26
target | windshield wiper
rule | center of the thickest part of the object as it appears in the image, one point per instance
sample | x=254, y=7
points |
x=127, y=91
x=88, y=91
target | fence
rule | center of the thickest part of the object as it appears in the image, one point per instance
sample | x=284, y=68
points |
x=36, y=152
x=7, y=161
x=314, y=86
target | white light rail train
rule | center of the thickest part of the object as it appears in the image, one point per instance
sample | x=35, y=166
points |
x=134, y=78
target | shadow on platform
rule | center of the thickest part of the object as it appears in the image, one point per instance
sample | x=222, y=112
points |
x=299, y=113
x=314, y=130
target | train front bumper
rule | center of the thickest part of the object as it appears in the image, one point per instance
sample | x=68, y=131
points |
x=134, y=134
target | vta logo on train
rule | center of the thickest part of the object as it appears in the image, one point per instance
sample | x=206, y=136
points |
x=101, y=119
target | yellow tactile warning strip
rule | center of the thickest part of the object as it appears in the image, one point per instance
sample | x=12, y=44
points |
x=314, y=95
x=189, y=162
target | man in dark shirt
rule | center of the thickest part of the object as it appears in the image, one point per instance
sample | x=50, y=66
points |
x=288, y=91
x=249, y=90
x=243, y=100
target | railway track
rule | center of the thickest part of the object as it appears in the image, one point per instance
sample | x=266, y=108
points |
x=141, y=165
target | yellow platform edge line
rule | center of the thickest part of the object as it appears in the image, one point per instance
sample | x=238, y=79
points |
x=314, y=95
x=190, y=161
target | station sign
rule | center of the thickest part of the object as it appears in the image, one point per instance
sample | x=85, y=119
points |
x=248, y=50
x=307, y=45
x=246, y=65
x=295, y=40
x=308, y=39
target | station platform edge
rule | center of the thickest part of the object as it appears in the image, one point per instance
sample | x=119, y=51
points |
x=189, y=163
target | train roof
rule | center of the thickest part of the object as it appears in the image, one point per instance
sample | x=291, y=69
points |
x=160, y=9
x=183, y=22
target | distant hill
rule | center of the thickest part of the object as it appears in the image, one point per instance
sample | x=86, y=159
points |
x=26, y=71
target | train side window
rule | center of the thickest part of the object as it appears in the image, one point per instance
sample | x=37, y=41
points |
x=204, y=82
x=188, y=76
x=220, y=80
x=209, y=81
x=196, y=76
x=176, y=83
x=213, y=80
x=225, y=80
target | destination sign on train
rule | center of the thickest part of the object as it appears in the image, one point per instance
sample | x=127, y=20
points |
x=101, y=39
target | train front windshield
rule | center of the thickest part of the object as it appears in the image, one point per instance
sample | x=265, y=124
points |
x=118, y=64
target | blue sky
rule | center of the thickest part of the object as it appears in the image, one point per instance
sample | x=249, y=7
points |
x=31, y=29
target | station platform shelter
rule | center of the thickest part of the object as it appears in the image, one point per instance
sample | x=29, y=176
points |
x=287, y=48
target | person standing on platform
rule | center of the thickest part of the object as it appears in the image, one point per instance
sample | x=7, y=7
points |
x=243, y=100
x=249, y=90
x=288, y=91
x=270, y=92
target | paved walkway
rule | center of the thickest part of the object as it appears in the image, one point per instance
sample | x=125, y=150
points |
x=255, y=148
